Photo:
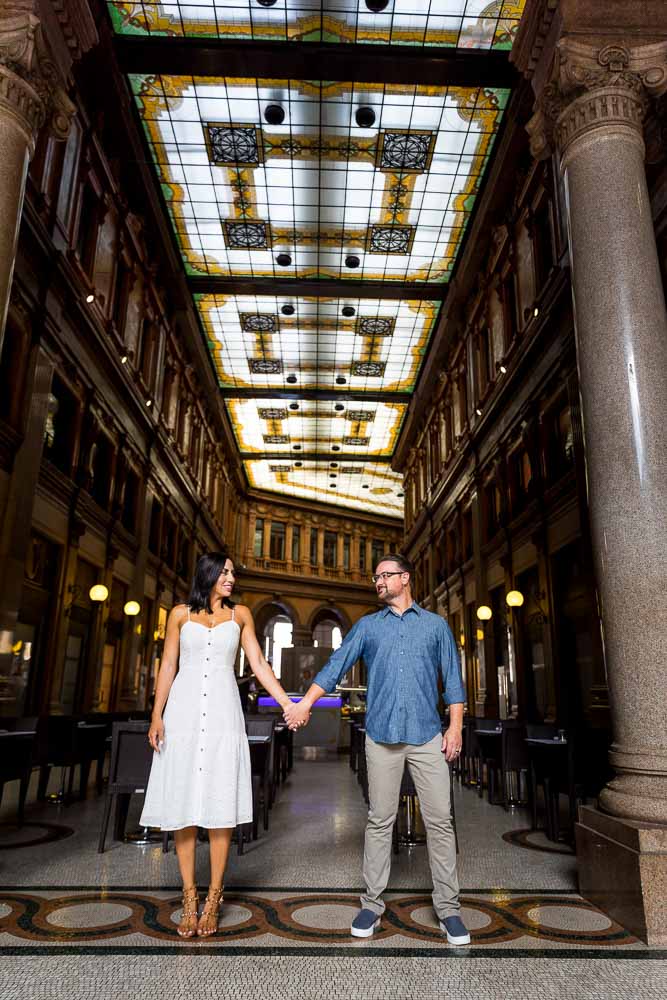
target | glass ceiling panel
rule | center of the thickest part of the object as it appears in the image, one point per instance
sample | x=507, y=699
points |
x=318, y=196
x=464, y=24
x=370, y=487
x=284, y=426
x=291, y=343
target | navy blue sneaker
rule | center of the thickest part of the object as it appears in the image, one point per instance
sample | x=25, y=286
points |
x=365, y=924
x=455, y=930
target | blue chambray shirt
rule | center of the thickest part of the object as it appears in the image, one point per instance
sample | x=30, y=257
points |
x=404, y=655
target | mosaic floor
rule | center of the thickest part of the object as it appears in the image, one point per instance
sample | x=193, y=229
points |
x=77, y=924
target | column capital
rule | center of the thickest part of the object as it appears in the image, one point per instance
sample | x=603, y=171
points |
x=594, y=86
x=31, y=87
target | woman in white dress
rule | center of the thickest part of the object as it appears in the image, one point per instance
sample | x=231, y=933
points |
x=200, y=774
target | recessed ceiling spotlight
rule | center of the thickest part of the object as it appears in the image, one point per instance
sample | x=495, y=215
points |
x=283, y=259
x=338, y=407
x=364, y=117
x=341, y=380
x=333, y=465
x=90, y=298
x=123, y=359
x=274, y=114
x=536, y=311
x=478, y=411
x=149, y=402
x=333, y=475
x=297, y=465
x=267, y=3
x=287, y=310
x=503, y=370
x=296, y=447
x=335, y=447
x=348, y=311
x=291, y=379
x=375, y=6
x=400, y=494
x=365, y=486
x=352, y=260
x=294, y=406
x=332, y=486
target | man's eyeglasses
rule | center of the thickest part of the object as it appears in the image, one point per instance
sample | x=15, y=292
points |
x=383, y=576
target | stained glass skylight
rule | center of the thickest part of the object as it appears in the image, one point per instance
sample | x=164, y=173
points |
x=318, y=196
x=368, y=486
x=465, y=24
x=254, y=344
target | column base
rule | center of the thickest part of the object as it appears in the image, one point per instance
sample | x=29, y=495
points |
x=622, y=867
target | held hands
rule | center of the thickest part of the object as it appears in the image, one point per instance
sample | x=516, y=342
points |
x=295, y=715
x=451, y=744
x=156, y=734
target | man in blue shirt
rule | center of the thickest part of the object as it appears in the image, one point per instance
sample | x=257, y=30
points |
x=406, y=649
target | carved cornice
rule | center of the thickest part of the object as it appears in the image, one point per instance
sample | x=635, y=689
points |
x=591, y=88
x=30, y=85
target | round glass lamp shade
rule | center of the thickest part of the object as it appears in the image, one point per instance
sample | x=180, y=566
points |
x=484, y=612
x=514, y=598
x=98, y=593
x=132, y=608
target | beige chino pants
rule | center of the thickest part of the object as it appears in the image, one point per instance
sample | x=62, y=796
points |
x=430, y=773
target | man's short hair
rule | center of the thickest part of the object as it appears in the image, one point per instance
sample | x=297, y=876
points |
x=403, y=564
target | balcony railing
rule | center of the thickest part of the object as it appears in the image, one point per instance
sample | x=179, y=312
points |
x=305, y=569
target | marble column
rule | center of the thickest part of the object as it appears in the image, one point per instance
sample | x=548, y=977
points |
x=289, y=536
x=592, y=112
x=30, y=96
x=621, y=330
x=266, y=551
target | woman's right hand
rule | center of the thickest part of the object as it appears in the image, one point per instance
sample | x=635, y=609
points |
x=156, y=734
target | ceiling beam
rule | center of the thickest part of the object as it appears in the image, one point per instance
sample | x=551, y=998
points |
x=313, y=456
x=326, y=288
x=358, y=63
x=326, y=395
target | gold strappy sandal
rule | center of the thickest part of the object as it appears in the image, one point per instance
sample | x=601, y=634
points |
x=188, y=925
x=208, y=922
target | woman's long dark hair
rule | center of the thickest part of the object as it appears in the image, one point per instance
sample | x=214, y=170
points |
x=207, y=571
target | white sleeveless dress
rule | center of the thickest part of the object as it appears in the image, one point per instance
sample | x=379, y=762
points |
x=202, y=777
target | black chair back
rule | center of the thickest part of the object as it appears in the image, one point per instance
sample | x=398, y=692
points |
x=131, y=757
x=260, y=725
x=514, y=749
x=540, y=731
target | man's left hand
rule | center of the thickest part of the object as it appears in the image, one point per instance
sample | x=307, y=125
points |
x=452, y=741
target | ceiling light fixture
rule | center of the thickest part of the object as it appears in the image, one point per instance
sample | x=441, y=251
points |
x=400, y=494
x=291, y=379
x=283, y=259
x=375, y=6
x=274, y=114
x=503, y=370
x=296, y=447
x=123, y=359
x=536, y=311
x=332, y=486
x=297, y=465
x=287, y=310
x=348, y=311
x=364, y=117
x=341, y=380
x=352, y=260
x=149, y=402
x=90, y=298
x=365, y=486
x=333, y=475
x=478, y=411
x=338, y=407
x=335, y=447
x=294, y=406
x=333, y=465
x=267, y=3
